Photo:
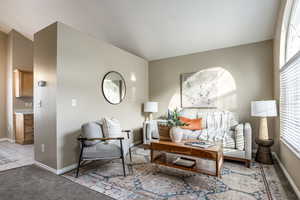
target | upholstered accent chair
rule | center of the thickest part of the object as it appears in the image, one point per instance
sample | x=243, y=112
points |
x=94, y=146
x=217, y=125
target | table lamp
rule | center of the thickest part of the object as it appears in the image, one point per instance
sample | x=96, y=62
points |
x=150, y=107
x=263, y=109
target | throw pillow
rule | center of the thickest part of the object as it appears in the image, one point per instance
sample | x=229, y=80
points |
x=111, y=128
x=193, y=124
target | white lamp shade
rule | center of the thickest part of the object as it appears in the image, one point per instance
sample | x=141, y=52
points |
x=263, y=108
x=151, y=107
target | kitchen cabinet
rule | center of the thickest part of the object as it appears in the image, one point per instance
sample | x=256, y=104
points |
x=23, y=83
x=24, y=128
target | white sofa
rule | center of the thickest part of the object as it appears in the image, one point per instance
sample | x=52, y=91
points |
x=217, y=125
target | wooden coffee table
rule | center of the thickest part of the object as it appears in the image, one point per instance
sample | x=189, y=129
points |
x=162, y=153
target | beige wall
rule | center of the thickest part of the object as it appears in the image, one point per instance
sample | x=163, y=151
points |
x=287, y=157
x=45, y=54
x=23, y=60
x=82, y=61
x=19, y=56
x=250, y=65
x=3, y=52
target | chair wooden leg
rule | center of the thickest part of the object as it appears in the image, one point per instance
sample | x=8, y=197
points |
x=248, y=163
x=79, y=161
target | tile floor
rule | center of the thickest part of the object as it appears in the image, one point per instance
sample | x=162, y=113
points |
x=15, y=155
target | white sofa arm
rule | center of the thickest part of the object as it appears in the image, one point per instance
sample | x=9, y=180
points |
x=248, y=141
x=239, y=137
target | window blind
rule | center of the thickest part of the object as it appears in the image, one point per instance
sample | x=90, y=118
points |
x=290, y=103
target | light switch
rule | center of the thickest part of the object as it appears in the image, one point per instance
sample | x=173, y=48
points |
x=74, y=102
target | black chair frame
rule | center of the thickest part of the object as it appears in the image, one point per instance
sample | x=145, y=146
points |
x=122, y=157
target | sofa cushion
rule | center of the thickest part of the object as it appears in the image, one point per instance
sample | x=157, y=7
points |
x=190, y=134
x=234, y=153
x=189, y=113
x=102, y=150
x=227, y=137
x=212, y=118
x=192, y=124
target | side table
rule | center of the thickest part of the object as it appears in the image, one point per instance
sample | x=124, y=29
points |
x=263, y=154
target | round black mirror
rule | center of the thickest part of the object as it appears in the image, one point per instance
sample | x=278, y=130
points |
x=113, y=87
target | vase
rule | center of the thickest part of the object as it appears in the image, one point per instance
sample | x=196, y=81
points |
x=176, y=134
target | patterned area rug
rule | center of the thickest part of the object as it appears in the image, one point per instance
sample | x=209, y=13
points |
x=148, y=181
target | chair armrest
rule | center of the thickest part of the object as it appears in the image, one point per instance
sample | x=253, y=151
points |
x=248, y=140
x=102, y=139
x=128, y=133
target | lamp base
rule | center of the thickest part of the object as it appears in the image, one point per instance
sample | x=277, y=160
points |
x=263, y=154
x=263, y=129
x=148, y=117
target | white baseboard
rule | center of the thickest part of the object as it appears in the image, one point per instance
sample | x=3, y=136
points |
x=7, y=140
x=56, y=171
x=66, y=169
x=46, y=167
x=288, y=176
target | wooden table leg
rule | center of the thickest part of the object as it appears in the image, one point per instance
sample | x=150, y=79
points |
x=219, y=165
x=151, y=155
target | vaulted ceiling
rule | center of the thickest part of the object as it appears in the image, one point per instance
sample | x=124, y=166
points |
x=152, y=29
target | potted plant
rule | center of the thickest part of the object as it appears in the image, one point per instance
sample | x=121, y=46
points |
x=174, y=123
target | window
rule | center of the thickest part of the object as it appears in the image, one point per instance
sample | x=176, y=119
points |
x=293, y=32
x=290, y=84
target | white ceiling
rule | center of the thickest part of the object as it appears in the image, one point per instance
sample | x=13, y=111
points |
x=152, y=29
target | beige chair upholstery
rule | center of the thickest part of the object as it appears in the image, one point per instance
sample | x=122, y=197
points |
x=94, y=146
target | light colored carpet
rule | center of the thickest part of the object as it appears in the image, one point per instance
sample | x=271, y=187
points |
x=147, y=181
x=14, y=155
x=4, y=160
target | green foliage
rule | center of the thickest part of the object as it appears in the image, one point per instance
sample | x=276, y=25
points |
x=173, y=119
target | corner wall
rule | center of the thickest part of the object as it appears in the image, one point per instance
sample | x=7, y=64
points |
x=81, y=63
x=45, y=68
x=251, y=66
x=19, y=56
x=3, y=59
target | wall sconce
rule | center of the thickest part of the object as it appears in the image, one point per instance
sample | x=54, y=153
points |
x=132, y=77
x=42, y=83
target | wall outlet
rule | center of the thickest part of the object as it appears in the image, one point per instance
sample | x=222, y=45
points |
x=74, y=102
x=43, y=148
x=39, y=104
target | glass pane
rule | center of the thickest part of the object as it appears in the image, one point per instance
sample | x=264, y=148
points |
x=293, y=36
